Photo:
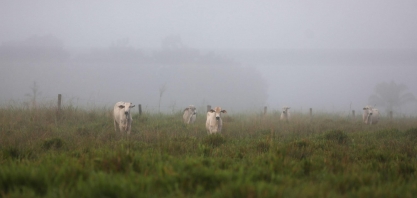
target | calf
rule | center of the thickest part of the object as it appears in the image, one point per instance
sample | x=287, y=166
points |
x=122, y=116
x=370, y=115
x=285, y=115
x=214, y=121
x=190, y=114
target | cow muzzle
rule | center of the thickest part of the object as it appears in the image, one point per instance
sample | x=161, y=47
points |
x=217, y=118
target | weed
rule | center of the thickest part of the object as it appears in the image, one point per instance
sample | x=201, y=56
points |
x=54, y=143
x=11, y=152
x=411, y=133
x=406, y=169
x=337, y=136
x=14, y=179
x=214, y=140
x=262, y=147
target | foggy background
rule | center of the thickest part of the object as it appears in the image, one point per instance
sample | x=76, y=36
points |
x=327, y=55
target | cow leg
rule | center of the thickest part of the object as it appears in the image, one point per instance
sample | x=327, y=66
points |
x=121, y=128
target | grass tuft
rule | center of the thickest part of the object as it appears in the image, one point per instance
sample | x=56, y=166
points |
x=411, y=133
x=54, y=143
x=262, y=147
x=337, y=136
x=11, y=152
x=214, y=140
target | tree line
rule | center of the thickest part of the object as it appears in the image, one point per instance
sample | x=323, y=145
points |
x=191, y=76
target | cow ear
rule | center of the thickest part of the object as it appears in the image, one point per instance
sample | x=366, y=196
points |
x=224, y=111
x=132, y=106
x=121, y=106
x=364, y=108
x=211, y=110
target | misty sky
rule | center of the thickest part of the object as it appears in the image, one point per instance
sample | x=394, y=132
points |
x=339, y=31
x=217, y=24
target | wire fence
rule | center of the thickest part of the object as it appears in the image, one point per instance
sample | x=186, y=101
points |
x=94, y=103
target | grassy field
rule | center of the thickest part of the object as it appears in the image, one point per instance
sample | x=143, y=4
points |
x=77, y=154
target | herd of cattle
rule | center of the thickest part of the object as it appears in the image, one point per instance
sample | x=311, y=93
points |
x=214, y=123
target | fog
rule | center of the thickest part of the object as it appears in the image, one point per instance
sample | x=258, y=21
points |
x=326, y=55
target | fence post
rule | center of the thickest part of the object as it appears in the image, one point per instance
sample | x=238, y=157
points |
x=390, y=115
x=59, y=102
x=265, y=110
x=208, y=108
x=311, y=114
x=140, y=109
x=353, y=113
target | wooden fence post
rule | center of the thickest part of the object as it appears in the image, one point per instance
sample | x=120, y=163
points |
x=59, y=102
x=311, y=114
x=140, y=109
x=265, y=110
x=390, y=115
x=353, y=113
x=58, y=110
x=208, y=108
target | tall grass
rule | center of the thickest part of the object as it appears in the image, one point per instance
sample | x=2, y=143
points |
x=77, y=153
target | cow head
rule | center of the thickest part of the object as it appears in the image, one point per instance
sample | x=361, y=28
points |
x=368, y=110
x=218, y=111
x=126, y=107
x=191, y=109
x=285, y=109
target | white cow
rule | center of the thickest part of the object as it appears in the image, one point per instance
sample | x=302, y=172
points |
x=285, y=115
x=214, y=121
x=190, y=114
x=122, y=116
x=370, y=115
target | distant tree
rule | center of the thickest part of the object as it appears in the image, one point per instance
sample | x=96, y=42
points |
x=390, y=95
x=34, y=95
x=35, y=48
x=172, y=42
x=162, y=89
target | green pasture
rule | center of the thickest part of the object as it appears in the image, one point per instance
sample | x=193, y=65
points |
x=77, y=153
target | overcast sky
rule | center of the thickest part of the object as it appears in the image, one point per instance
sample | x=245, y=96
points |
x=216, y=24
x=285, y=25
